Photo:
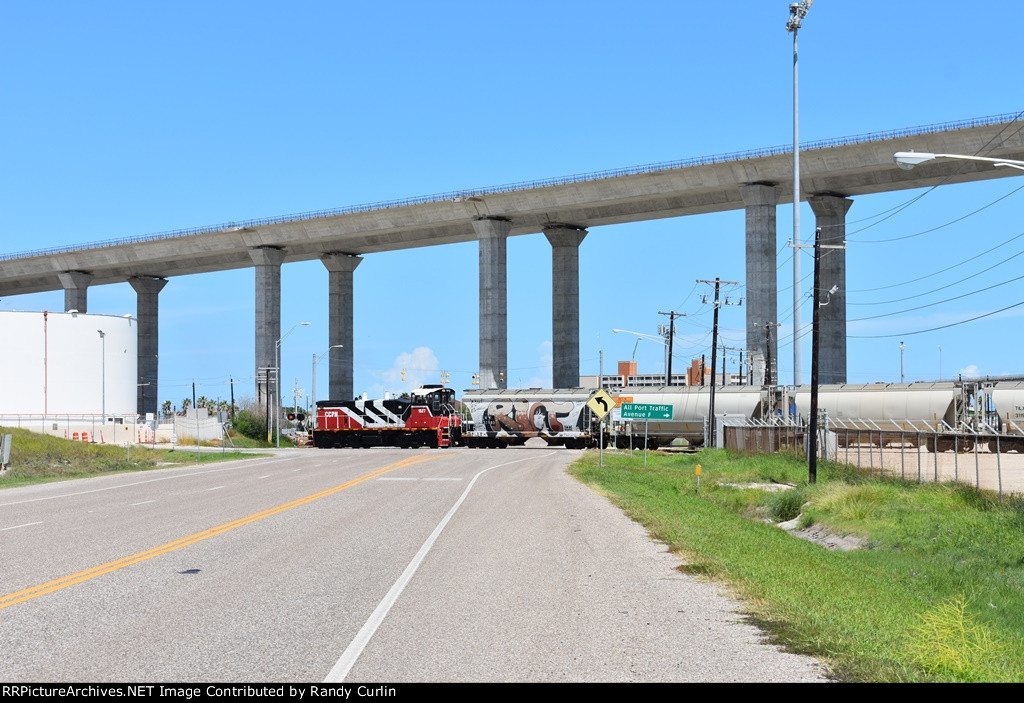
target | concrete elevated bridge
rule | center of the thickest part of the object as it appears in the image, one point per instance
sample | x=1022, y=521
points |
x=833, y=172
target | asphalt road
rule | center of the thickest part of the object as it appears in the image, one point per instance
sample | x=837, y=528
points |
x=357, y=565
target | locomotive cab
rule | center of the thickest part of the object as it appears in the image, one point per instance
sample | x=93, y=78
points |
x=437, y=398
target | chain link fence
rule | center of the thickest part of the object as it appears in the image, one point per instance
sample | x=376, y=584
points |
x=985, y=458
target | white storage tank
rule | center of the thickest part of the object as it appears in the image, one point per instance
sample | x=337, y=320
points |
x=57, y=363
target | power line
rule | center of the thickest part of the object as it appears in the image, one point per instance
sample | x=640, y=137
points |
x=935, y=290
x=946, y=224
x=948, y=268
x=933, y=329
x=940, y=302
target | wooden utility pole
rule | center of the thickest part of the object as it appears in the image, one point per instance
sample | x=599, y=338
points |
x=714, y=347
x=672, y=315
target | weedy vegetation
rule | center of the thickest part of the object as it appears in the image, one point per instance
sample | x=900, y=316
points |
x=38, y=458
x=936, y=594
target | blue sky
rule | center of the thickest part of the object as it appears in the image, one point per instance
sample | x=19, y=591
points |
x=127, y=118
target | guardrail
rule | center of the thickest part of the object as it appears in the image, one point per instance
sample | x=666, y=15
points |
x=458, y=195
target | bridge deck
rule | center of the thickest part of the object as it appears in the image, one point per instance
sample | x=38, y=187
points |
x=850, y=167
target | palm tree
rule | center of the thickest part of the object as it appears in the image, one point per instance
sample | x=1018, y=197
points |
x=166, y=408
x=186, y=404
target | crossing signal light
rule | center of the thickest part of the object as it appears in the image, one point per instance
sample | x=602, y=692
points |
x=296, y=416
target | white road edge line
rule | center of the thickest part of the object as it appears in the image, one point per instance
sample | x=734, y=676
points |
x=362, y=638
x=151, y=480
x=143, y=503
x=27, y=524
x=386, y=478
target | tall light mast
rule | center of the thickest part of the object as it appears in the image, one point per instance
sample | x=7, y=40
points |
x=797, y=12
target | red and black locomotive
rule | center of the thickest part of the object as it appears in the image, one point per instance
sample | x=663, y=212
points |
x=427, y=418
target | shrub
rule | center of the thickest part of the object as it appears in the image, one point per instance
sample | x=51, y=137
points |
x=785, y=505
x=249, y=424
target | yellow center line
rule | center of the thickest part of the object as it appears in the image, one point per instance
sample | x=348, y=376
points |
x=87, y=574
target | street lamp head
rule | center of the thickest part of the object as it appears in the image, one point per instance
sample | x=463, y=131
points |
x=102, y=334
x=909, y=159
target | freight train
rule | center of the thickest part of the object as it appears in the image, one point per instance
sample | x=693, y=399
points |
x=943, y=416
x=427, y=418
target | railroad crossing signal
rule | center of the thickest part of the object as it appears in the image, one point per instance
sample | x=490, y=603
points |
x=601, y=403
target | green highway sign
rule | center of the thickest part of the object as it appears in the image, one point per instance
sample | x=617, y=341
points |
x=646, y=411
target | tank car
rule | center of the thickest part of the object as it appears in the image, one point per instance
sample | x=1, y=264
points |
x=508, y=417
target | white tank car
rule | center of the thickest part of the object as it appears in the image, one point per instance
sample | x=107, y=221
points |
x=889, y=406
x=690, y=408
x=503, y=417
x=1008, y=403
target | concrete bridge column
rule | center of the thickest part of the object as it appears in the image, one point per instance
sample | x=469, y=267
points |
x=492, y=234
x=268, y=314
x=565, y=303
x=760, y=200
x=340, y=303
x=830, y=216
x=147, y=311
x=76, y=284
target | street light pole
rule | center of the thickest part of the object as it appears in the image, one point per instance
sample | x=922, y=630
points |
x=103, y=374
x=797, y=12
x=277, y=381
x=907, y=160
x=316, y=361
x=902, y=347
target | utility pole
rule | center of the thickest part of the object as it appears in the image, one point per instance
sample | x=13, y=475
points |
x=768, y=352
x=714, y=346
x=672, y=315
x=812, y=447
x=725, y=370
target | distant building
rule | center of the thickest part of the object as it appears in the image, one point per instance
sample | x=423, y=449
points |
x=629, y=377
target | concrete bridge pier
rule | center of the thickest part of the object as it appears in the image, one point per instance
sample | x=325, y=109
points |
x=830, y=216
x=147, y=311
x=267, y=262
x=76, y=284
x=341, y=319
x=565, y=303
x=760, y=200
x=492, y=235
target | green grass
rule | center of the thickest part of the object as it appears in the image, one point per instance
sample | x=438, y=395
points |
x=936, y=595
x=37, y=458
